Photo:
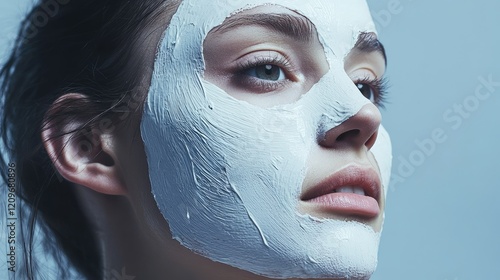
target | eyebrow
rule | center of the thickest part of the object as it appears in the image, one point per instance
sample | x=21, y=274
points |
x=297, y=28
x=368, y=43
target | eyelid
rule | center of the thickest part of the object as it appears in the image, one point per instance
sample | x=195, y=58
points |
x=364, y=73
x=371, y=61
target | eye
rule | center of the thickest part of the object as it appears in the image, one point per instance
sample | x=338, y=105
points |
x=264, y=73
x=367, y=91
x=268, y=72
x=374, y=90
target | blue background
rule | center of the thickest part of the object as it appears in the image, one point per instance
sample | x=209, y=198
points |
x=442, y=221
x=443, y=204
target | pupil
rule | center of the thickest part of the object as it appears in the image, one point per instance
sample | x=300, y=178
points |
x=269, y=69
x=268, y=72
x=365, y=90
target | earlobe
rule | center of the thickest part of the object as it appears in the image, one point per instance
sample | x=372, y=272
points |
x=84, y=156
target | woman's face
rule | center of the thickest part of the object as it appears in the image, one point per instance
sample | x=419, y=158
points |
x=264, y=145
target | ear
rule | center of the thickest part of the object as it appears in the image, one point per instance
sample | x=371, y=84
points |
x=86, y=157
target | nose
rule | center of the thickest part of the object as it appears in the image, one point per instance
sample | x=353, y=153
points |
x=357, y=131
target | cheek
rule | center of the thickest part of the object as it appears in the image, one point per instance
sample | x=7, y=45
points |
x=254, y=137
x=382, y=151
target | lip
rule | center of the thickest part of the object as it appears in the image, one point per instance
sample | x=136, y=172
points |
x=324, y=197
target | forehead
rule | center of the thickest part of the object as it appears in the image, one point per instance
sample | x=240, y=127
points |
x=343, y=20
x=353, y=13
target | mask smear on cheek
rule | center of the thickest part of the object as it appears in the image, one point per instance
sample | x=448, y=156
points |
x=227, y=175
x=382, y=150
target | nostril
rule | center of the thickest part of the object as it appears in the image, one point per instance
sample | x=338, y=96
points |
x=371, y=141
x=358, y=131
x=351, y=134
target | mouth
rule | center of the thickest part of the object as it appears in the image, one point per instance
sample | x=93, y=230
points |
x=352, y=191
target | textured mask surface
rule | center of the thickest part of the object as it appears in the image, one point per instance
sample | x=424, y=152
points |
x=227, y=175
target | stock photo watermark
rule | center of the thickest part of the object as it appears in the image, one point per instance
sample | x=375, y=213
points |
x=11, y=218
x=40, y=18
x=383, y=18
x=453, y=119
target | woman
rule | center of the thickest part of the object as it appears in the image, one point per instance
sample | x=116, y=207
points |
x=204, y=140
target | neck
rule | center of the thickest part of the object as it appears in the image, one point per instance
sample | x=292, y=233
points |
x=115, y=230
x=128, y=251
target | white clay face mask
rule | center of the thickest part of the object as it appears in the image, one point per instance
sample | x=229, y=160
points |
x=230, y=192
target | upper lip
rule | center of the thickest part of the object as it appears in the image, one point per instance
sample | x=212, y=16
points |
x=352, y=176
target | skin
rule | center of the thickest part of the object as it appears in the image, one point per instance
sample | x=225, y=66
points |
x=116, y=194
x=223, y=50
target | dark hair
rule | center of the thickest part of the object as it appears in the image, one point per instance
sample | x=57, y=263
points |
x=68, y=46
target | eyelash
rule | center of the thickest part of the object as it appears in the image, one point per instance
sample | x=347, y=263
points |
x=261, y=85
x=378, y=86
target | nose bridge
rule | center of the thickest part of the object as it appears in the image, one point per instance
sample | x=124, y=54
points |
x=341, y=114
x=338, y=98
x=335, y=98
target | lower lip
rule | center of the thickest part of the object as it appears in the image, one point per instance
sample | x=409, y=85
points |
x=348, y=204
